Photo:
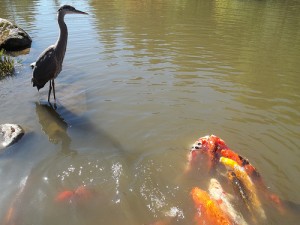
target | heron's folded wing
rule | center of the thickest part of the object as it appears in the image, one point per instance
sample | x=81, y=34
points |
x=46, y=67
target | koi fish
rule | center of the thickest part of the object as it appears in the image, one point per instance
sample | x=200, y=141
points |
x=210, y=144
x=217, y=193
x=81, y=193
x=64, y=196
x=243, y=162
x=245, y=179
x=208, y=211
x=255, y=176
x=11, y=215
x=214, y=147
x=239, y=188
x=227, y=153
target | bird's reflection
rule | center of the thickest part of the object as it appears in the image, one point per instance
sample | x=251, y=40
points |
x=54, y=126
x=62, y=126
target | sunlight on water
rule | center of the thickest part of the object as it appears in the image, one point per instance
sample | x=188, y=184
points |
x=117, y=171
x=141, y=82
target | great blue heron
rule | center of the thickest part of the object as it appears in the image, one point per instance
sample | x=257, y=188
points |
x=49, y=63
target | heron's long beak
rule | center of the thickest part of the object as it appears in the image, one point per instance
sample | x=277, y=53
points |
x=80, y=12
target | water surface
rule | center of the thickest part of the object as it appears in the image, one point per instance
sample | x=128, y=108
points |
x=141, y=81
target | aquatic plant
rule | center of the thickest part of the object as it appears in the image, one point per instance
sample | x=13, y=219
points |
x=6, y=64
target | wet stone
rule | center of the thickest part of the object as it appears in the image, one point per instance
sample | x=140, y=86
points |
x=12, y=37
x=9, y=134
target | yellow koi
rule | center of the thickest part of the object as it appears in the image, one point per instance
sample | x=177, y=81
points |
x=245, y=179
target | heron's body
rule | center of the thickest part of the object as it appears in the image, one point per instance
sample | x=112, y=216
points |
x=49, y=63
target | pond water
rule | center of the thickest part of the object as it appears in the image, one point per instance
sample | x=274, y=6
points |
x=141, y=81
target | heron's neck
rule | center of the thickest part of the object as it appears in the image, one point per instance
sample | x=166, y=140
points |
x=61, y=43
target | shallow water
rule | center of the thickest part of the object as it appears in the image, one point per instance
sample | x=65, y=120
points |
x=141, y=81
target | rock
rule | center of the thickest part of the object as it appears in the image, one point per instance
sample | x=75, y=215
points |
x=12, y=37
x=9, y=134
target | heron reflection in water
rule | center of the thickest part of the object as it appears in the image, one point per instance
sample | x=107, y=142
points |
x=49, y=63
x=54, y=126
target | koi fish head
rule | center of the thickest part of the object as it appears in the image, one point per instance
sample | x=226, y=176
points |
x=229, y=163
x=200, y=197
x=197, y=148
x=209, y=143
x=201, y=143
x=227, y=153
x=215, y=188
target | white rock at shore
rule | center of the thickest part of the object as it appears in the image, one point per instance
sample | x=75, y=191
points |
x=9, y=134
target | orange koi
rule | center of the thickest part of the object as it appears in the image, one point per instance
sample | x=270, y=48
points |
x=208, y=211
x=79, y=194
x=64, y=196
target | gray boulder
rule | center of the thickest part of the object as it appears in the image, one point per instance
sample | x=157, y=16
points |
x=12, y=37
x=9, y=134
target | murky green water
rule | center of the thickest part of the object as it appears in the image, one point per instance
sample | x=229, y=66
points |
x=141, y=81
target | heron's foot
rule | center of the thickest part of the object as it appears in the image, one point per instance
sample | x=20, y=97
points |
x=54, y=106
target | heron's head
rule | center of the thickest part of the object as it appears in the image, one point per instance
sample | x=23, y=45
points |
x=67, y=9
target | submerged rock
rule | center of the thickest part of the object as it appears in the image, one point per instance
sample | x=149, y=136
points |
x=12, y=37
x=9, y=134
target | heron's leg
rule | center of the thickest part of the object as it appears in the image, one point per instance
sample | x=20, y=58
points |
x=53, y=90
x=55, y=107
x=49, y=93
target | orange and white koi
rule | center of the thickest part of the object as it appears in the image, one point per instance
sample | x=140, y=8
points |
x=217, y=193
x=208, y=211
x=245, y=179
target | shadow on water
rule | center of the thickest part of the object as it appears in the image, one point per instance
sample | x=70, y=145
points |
x=54, y=126
x=65, y=127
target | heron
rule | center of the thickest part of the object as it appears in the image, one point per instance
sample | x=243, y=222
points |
x=49, y=63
